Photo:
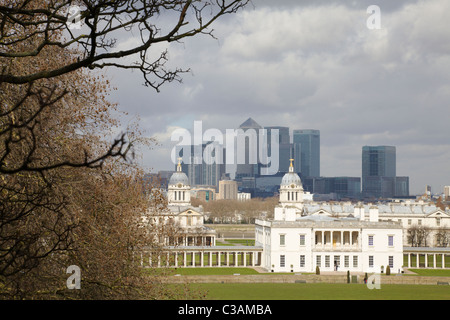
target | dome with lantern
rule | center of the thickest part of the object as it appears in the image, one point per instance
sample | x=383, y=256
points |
x=291, y=179
x=179, y=178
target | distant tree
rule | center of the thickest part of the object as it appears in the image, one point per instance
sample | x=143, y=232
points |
x=225, y=210
x=442, y=237
x=417, y=236
x=440, y=204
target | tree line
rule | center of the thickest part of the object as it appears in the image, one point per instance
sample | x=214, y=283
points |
x=237, y=211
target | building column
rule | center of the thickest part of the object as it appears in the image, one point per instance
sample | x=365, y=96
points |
x=426, y=260
x=323, y=239
x=443, y=261
x=184, y=258
x=434, y=260
x=201, y=258
x=332, y=238
x=409, y=260
x=417, y=260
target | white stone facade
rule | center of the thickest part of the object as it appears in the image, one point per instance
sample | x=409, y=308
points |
x=295, y=241
x=187, y=220
x=348, y=244
x=408, y=213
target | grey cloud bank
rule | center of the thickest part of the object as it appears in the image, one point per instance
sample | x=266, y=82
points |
x=314, y=65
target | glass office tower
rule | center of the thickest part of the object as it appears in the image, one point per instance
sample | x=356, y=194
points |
x=306, y=150
x=249, y=150
x=378, y=161
x=379, y=176
x=284, y=147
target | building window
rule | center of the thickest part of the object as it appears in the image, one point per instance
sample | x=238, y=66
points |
x=370, y=261
x=282, y=239
x=419, y=222
x=391, y=262
x=302, y=261
x=327, y=261
x=409, y=222
x=438, y=222
x=355, y=261
x=370, y=241
x=390, y=241
x=319, y=261
x=346, y=261
x=282, y=261
x=302, y=239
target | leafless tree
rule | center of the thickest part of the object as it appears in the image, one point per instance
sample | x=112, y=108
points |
x=418, y=235
x=61, y=196
x=442, y=237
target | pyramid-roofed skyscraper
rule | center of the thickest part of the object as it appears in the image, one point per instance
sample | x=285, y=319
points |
x=249, y=168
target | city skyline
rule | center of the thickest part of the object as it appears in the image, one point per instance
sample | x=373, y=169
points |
x=329, y=72
x=387, y=171
x=378, y=166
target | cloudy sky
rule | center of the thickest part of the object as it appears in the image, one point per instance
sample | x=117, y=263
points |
x=313, y=65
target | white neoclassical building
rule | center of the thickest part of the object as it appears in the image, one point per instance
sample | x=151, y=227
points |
x=298, y=241
x=409, y=213
x=188, y=219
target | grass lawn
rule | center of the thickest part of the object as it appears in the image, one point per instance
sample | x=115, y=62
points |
x=241, y=242
x=432, y=272
x=320, y=291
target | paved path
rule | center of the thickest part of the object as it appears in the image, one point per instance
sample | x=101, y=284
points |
x=335, y=273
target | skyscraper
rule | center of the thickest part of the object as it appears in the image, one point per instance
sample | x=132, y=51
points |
x=378, y=161
x=249, y=151
x=284, y=146
x=379, y=173
x=202, y=166
x=306, y=152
